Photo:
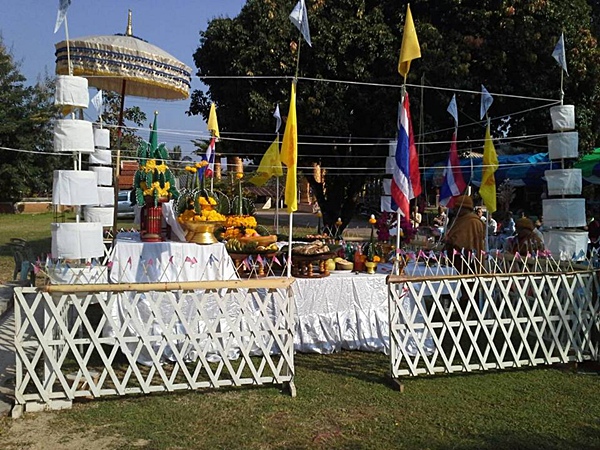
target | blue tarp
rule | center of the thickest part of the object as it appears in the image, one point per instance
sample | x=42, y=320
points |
x=523, y=170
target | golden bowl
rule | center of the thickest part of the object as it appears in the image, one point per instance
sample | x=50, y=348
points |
x=201, y=232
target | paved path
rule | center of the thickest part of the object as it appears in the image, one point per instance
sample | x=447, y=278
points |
x=7, y=356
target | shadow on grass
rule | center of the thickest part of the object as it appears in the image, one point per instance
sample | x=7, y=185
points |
x=585, y=437
x=365, y=366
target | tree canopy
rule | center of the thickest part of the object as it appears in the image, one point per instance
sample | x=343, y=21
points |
x=349, y=87
x=26, y=119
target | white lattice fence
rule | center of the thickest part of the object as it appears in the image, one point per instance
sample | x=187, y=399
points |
x=77, y=341
x=492, y=321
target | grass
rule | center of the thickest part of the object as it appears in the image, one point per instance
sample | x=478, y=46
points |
x=345, y=401
x=35, y=229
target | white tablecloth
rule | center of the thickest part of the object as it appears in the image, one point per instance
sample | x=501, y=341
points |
x=138, y=262
x=144, y=262
x=347, y=311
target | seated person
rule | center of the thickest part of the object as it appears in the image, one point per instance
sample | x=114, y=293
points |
x=525, y=240
x=440, y=220
x=415, y=217
x=467, y=233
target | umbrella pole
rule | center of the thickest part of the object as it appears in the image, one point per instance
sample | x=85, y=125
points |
x=118, y=160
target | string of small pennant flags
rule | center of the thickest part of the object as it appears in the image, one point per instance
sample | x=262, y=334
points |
x=493, y=262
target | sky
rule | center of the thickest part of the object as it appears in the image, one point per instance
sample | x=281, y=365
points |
x=27, y=30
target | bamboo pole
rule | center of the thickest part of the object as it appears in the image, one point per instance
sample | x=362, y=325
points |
x=265, y=283
x=395, y=279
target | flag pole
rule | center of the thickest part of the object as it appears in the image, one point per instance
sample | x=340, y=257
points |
x=276, y=219
x=398, y=212
x=289, y=263
x=212, y=175
x=68, y=49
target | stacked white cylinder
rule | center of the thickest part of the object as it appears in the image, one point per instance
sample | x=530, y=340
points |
x=562, y=214
x=74, y=187
x=100, y=162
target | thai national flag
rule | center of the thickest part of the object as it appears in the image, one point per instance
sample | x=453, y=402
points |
x=210, y=157
x=454, y=183
x=406, y=182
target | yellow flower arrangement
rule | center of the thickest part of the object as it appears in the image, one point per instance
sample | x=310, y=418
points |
x=162, y=192
x=153, y=181
x=241, y=222
x=207, y=212
x=231, y=233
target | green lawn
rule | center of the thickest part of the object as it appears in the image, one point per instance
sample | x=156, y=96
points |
x=345, y=401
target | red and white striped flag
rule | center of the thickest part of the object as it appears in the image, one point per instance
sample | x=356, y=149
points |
x=210, y=157
x=406, y=181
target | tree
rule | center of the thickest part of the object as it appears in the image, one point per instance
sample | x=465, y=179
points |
x=505, y=47
x=26, y=119
x=110, y=116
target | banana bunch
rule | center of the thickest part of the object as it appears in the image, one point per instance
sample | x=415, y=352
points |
x=234, y=246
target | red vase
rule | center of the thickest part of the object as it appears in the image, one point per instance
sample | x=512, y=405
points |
x=151, y=221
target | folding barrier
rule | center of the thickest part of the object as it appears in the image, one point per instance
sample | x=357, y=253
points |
x=492, y=321
x=75, y=341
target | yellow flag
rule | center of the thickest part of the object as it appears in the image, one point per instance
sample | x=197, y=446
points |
x=410, y=45
x=289, y=154
x=213, y=125
x=487, y=190
x=270, y=165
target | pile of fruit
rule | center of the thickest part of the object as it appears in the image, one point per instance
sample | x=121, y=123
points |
x=236, y=246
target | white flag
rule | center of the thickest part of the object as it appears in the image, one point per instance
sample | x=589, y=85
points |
x=486, y=101
x=299, y=17
x=559, y=53
x=453, y=109
x=62, y=13
x=277, y=116
x=97, y=102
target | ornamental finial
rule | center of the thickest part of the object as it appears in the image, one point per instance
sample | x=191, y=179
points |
x=129, y=31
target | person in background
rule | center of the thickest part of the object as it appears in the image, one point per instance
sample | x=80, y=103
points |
x=415, y=217
x=479, y=212
x=466, y=233
x=594, y=233
x=525, y=241
x=536, y=229
x=509, y=227
x=492, y=226
x=440, y=221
